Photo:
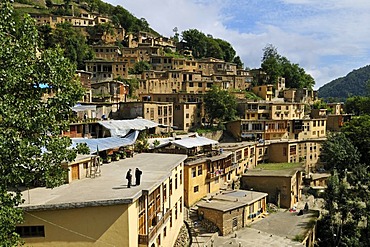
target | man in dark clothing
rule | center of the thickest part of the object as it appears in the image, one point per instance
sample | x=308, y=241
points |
x=128, y=177
x=138, y=176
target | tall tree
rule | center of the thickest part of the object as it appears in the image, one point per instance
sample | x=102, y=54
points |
x=206, y=46
x=276, y=66
x=219, y=105
x=345, y=221
x=30, y=125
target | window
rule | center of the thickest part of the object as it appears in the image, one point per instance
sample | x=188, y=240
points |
x=196, y=189
x=199, y=84
x=164, y=192
x=180, y=204
x=187, y=115
x=180, y=176
x=171, y=218
x=30, y=231
x=164, y=232
x=194, y=172
x=191, y=84
x=175, y=181
x=235, y=222
x=200, y=170
x=176, y=211
x=170, y=186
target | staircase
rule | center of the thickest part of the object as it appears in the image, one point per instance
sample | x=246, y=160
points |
x=200, y=235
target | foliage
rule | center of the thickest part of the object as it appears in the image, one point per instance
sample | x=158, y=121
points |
x=125, y=19
x=96, y=32
x=354, y=83
x=219, y=105
x=140, y=67
x=357, y=105
x=251, y=95
x=208, y=129
x=69, y=39
x=239, y=64
x=345, y=222
x=132, y=83
x=202, y=45
x=279, y=166
x=358, y=132
x=339, y=153
x=32, y=149
x=141, y=143
x=277, y=66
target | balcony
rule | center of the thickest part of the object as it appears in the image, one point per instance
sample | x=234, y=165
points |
x=145, y=239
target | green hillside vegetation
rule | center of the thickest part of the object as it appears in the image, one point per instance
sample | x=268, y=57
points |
x=118, y=14
x=353, y=84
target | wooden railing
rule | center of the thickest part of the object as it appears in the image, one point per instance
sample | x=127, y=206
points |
x=144, y=239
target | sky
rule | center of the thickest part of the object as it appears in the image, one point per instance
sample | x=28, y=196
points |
x=328, y=38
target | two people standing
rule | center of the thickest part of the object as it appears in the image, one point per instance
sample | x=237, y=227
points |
x=137, y=177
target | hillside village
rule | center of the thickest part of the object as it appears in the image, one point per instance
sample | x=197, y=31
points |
x=217, y=179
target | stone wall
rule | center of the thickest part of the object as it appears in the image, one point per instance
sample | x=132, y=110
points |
x=223, y=220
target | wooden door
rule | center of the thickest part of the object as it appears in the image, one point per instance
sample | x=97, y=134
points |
x=75, y=172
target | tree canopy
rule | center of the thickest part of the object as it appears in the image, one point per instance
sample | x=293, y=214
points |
x=219, y=105
x=346, y=219
x=71, y=40
x=277, y=66
x=30, y=124
x=206, y=46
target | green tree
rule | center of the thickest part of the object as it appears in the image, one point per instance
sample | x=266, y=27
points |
x=358, y=132
x=271, y=63
x=239, y=64
x=345, y=221
x=203, y=45
x=277, y=66
x=30, y=126
x=357, y=105
x=219, y=105
x=140, y=67
x=69, y=39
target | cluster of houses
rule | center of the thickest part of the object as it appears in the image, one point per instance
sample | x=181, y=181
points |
x=95, y=207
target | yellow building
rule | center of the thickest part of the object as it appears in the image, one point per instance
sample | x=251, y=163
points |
x=243, y=154
x=258, y=129
x=103, y=70
x=264, y=91
x=102, y=211
x=267, y=110
x=282, y=186
x=204, y=175
x=292, y=151
x=159, y=112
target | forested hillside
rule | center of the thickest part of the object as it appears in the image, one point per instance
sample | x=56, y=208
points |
x=355, y=83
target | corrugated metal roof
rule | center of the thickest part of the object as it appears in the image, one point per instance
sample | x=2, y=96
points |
x=192, y=142
x=107, y=143
x=123, y=127
x=78, y=108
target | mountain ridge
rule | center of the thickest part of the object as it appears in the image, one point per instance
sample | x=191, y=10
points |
x=353, y=84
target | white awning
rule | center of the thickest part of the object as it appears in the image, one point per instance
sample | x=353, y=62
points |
x=123, y=127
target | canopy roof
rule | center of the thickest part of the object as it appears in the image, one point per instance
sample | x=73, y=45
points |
x=107, y=143
x=192, y=142
x=123, y=127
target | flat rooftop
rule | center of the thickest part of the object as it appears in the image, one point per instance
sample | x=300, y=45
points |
x=108, y=189
x=229, y=200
